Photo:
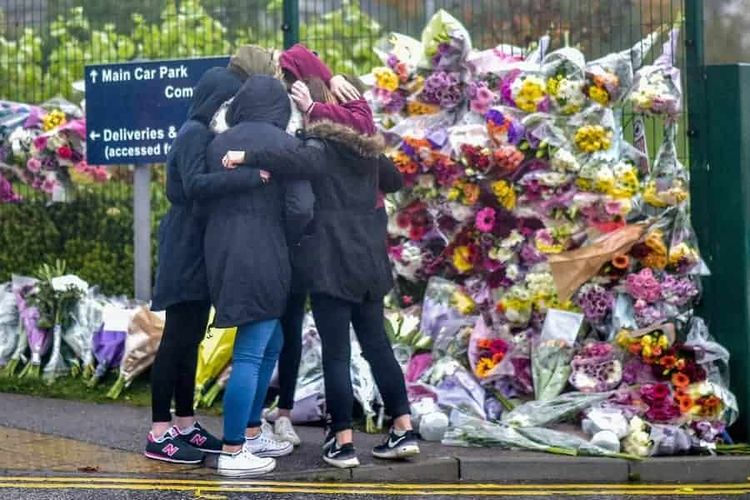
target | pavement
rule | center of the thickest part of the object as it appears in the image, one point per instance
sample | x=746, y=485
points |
x=66, y=449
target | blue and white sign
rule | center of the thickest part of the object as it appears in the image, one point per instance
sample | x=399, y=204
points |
x=134, y=110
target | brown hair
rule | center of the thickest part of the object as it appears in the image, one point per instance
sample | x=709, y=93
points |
x=319, y=91
x=358, y=84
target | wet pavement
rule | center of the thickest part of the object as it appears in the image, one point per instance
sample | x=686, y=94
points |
x=54, y=449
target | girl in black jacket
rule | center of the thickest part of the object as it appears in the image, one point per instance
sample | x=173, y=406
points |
x=347, y=271
x=181, y=286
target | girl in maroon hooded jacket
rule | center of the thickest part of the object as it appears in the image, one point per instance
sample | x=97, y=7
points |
x=300, y=64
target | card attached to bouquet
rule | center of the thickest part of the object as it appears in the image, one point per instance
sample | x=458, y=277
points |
x=562, y=325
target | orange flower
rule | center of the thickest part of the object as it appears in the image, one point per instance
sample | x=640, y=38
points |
x=711, y=403
x=484, y=367
x=680, y=394
x=621, y=262
x=484, y=343
x=471, y=193
x=680, y=380
x=668, y=362
x=497, y=357
x=635, y=348
x=686, y=404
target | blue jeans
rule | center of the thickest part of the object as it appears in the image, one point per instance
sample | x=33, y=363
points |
x=256, y=350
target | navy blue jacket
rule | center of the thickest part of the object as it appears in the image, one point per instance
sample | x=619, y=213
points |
x=181, y=270
x=247, y=256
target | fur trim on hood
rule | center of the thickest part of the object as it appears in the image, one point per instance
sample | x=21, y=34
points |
x=369, y=146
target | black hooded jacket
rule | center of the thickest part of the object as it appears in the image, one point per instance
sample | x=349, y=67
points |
x=345, y=254
x=245, y=244
x=181, y=271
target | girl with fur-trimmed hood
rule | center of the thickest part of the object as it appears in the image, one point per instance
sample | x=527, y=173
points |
x=346, y=269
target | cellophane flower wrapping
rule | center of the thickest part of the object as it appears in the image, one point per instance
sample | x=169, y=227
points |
x=9, y=323
x=552, y=353
x=667, y=185
x=38, y=339
x=141, y=345
x=657, y=89
x=309, y=397
x=214, y=354
x=87, y=320
x=543, y=413
x=108, y=343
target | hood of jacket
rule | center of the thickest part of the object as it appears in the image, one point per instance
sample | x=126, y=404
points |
x=356, y=143
x=251, y=60
x=216, y=86
x=303, y=63
x=261, y=99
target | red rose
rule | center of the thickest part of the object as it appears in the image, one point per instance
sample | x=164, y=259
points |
x=65, y=152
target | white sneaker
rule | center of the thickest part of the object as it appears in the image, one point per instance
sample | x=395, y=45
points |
x=265, y=444
x=271, y=414
x=285, y=431
x=244, y=464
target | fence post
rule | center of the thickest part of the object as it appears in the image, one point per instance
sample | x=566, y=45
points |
x=290, y=25
x=142, y=231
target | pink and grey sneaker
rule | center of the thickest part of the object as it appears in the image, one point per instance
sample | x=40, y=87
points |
x=198, y=437
x=170, y=448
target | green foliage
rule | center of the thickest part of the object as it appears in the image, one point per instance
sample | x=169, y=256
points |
x=38, y=65
x=93, y=234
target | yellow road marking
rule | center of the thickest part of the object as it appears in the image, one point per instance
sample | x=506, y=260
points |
x=348, y=485
x=291, y=489
x=200, y=487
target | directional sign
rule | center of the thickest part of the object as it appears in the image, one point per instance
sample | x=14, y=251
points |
x=134, y=110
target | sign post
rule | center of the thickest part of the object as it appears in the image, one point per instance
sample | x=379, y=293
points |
x=133, y=113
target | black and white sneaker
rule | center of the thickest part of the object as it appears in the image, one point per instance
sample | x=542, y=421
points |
x=343, y=457
x=399, y=445
x=200, y=438
x=329, y=440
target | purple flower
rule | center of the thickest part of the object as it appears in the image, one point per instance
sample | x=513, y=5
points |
x=7, y=195
x=678, y=291
x=392, y=61
x=596, y=302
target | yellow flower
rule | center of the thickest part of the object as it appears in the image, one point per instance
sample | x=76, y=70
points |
x=453, y=194
x=461, y=260
x=599, y=95
x=387, y=79
x=484, y=367
x=471, y=193
x=553, y=85
x=416, y=108
x=681, y=252
x=592, y=138
x=462, y=303
x=624, y=339
x=505, y=194
x=530, y=94
x=663, y=341
x=53, y=119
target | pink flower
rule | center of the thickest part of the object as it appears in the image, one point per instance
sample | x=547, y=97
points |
x=485, y=220
x=49, y=185
x=644, y=286
x=655, y=394
x=34, y=165
x=100, y=174
x=40, y=143
x=81, y=167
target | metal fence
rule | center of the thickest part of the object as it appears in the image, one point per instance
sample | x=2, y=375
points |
x=45, y=44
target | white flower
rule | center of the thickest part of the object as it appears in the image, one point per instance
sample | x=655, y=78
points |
x=512, y=272
x=501, y=254
x=564, y=161
x=514, y=238
x=62, y=283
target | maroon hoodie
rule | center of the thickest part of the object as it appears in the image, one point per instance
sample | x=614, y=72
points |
x=303, y=63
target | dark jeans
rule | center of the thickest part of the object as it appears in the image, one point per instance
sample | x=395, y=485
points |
x=291, y=353
x=332, y=317
x=173, y=373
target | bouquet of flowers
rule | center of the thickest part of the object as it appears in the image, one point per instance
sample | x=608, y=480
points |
x=565, y=73
x=657, y=89
x=552, y=354
x=108, y=342
x=9, y=323
x=667, y=185
x=487, y=350
x=142, y=343
x=446, y=43
x=214, y=354
x=596, y=368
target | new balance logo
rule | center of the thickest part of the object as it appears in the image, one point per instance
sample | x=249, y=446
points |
x=198, y=440
x=170, y=450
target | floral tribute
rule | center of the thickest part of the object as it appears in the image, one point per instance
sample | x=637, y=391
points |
x=44, y=148
x=571, y=249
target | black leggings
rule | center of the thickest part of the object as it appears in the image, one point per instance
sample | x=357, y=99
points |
x=332, y=317
x=173, y=373
x=291, y=353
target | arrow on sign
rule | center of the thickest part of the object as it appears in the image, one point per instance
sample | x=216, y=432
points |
x=94, y=136
x=93, y=74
